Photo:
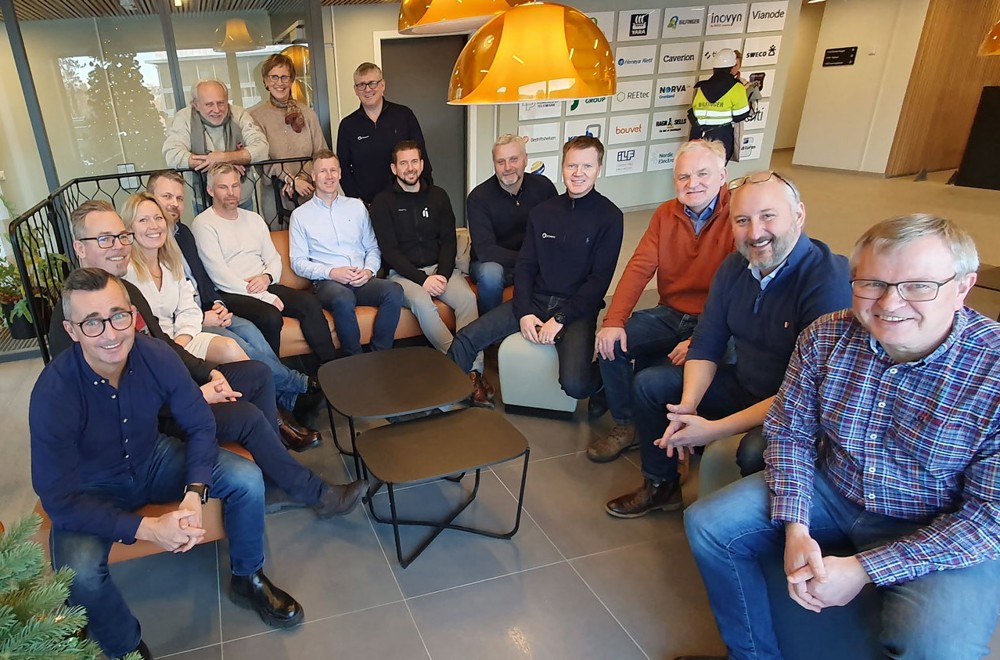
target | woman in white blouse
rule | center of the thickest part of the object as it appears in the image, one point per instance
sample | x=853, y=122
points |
x=156, y=267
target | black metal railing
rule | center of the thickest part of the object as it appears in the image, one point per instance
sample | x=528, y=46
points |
x=42, y=239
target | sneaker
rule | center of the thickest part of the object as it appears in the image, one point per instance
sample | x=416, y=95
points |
x=665, y=496
x=482, y=391
x=610, y=447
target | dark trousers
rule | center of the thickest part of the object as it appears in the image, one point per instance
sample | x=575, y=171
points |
x=300, y=305
x=341, y=300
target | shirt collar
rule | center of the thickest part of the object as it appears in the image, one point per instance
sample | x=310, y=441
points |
x=336, y=200
x=961, y=320
x=706, y=212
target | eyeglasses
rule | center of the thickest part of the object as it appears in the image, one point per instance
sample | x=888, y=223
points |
x=107, y=241
x=371, y=84
x=96, y=327
x=759, y=177
x=910, y=291
x=277, y=78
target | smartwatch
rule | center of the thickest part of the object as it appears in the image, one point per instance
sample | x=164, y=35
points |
x=200, y=489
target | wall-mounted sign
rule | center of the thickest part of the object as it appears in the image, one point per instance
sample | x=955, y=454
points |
x=767, y=16
x=540, y=138
x=539, y=110
x=633, y=95
x=604, y=20
x=635, y=60
x=628, y=128
x=764, y=80
x=761, y=51
x=726, y=19
x=629, y=160
x=662, y=156
x=674, y=91
x=638, y=24
x=683, y=22
x=750, y=148
x=546, y=166
x=669, y=125
x=679, y=57
x=594, y=127
x=710, y=48
x=840, y=56
x=587, y=106
x=757, y=120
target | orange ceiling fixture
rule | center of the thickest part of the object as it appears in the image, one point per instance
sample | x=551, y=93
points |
x=447, y=16
x=991, y=44
x=534, y=52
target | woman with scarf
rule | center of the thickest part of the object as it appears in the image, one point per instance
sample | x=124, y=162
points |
x=292, y=130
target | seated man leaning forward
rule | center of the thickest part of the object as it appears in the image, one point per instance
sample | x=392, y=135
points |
x=332, y=243
x=415, y=227
x=497, y=212
x=563, y=272
x=884, y=438
x=235, y=246
x=102, y=457
x=761, y=298
x=685, y=243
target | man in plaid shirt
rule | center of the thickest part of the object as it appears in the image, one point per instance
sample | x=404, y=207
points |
x=884, y=437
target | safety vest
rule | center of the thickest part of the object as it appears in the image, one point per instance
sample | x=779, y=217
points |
x=721, y=112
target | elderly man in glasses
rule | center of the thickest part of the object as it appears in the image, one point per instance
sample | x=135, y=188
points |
x=777, y=283
x=367, y=136
x=884, y=439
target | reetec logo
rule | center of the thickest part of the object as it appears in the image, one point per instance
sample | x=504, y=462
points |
x=724, y=20
x=625, y=155
x=628, y=130
x=686, y=57
x=758, y=15
x=622, y=61
x=632, y=96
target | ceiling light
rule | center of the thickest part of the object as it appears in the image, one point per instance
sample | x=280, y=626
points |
x=448, y=16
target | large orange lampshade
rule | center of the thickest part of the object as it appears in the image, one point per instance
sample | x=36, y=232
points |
x=991, y=44
x=534, y=52
x=447, y=16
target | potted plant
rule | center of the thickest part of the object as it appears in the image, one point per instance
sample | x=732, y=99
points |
x=14, y=305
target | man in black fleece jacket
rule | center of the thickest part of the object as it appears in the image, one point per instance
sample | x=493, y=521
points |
x=415, y=228
x=562, y=274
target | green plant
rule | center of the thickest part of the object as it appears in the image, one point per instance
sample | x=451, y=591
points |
x=48, y=267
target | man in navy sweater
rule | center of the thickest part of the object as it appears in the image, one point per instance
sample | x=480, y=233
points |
x=762, y=297
x=562, y=274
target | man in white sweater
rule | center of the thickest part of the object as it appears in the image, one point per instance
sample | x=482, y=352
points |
x=332, y=243
x=235, y=246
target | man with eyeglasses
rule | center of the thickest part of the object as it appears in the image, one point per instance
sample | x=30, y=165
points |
x=211, y=131
x=761, y=298
x=883, y=439
x=97, y=455
x=367, y=136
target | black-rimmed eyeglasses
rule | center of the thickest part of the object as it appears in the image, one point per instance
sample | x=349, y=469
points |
x=95, y=327
x=371, y=84
x=107, y=241
x=910, y=291
x=276, y=78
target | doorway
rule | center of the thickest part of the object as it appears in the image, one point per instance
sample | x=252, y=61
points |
x=417, y=72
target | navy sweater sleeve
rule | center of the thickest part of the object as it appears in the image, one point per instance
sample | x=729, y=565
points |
x=484, y=239
x=348, y=178
x=449, y=242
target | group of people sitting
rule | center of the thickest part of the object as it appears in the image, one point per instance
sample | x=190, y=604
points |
x=867, y=392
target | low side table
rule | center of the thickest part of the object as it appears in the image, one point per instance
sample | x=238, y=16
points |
x=435, y=447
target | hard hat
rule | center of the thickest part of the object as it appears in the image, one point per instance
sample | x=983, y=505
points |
x=724, y=58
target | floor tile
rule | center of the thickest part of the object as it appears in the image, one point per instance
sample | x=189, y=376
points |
x=385, y=632
x=655, y=591
x=213, y=652
x=455, y=557
x=544, y=613
x=566, y=497
x=330, y=566
x=174, y=596
x=553, y=437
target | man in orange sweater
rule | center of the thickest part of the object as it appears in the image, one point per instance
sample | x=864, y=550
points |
x=687, y=239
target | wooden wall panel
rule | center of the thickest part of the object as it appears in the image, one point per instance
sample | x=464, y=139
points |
x=943, y=93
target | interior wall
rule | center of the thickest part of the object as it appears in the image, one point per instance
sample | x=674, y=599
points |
x=25, y=184
x=850, y=112
x=939, y=105
x=803, y=54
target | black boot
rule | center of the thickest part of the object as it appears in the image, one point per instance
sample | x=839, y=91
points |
x=275, y=607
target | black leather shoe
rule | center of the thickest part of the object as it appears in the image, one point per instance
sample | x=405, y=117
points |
x=309, y=404
x=597, y=405
x=340, y=500
x=275, y=607
x=648, y=497
x=295, y=436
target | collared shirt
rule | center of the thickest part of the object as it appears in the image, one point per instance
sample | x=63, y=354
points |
x=916, y=440
x=699, y=220
x=765, y=279
x=84, y=433
x=323, y=236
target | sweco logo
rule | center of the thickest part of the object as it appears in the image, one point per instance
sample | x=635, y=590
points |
x=770, y=52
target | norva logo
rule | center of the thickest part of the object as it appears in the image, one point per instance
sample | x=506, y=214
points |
x=686, y=57
x=673, y=89
x=625, y=155
x=761, y=53
x=627, y=130
x=758, y=15
x=725, y=20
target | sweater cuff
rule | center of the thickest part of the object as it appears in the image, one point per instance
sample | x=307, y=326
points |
x=125, y=528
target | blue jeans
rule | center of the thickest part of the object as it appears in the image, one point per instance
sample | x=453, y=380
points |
x=235, y=480
x=651, y=335
x=341, y=299
x=577, y=375
x=288, y=383
x=945, y=614
x=655, y=387
x=491, y=279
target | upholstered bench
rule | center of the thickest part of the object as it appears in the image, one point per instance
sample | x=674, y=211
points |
x=529, y=377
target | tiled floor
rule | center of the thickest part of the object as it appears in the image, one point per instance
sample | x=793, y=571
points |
x=573, y=583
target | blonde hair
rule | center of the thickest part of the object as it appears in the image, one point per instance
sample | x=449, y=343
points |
x=894, y=233
x=168, y=255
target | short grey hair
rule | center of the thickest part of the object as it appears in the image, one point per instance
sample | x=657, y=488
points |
x=510, y=138
x=792, y=193
x=894, y=233
x=713, y=147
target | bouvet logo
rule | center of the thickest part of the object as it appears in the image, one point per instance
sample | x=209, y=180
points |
x=628, y=130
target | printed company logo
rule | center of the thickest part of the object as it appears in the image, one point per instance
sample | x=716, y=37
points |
x=631, y=96
x=756, y=116
x=635, y=61
x=770, y=52
x=665, y=158
x=671, y=125
x=758, y=15
x=676, y=22
x=639, y=25
x=685, y=57
x=628, y=130
x=576, y=104
x=671, y=91
x=625, y=155
x=716, y=20
x=544, y=235
x=538, y=139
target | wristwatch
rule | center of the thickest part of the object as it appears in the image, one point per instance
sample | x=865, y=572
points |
x=200, y=489
x=270, y=277
x=560, y=318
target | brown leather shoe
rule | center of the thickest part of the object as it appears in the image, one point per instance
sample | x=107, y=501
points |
x=295, y=436
x=340, y=499
x=620, y=438
x=482, y=391
x=648, y=497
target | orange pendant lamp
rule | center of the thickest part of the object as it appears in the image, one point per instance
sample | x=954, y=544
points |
x=991, y=43
x=448, y=16
x=534, y=52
